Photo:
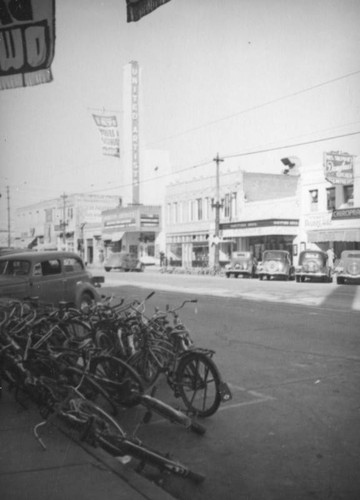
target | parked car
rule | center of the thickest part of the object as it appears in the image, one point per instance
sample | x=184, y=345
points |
x=348, y=269
x=276, y=264
x=123, y=261
x=313, y=265
x=51, y=276
x=241, y=264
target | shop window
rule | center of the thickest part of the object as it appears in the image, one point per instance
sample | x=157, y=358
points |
x=233, y=207
x=227, y=205
x=175, y=212
x=349, y=194
x=314, y=200
x=330, y=198
x=199, y=209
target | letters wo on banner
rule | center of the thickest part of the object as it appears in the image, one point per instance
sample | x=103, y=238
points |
x=27, y=42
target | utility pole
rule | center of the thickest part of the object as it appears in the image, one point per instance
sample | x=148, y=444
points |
x=64, y=196
x=217, y=205
x=8, y=214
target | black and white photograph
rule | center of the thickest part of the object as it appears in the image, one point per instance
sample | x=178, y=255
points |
x=179, y=249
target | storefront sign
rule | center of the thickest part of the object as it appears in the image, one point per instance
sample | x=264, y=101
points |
x=317, y=220
x=149, y=220
x=260, y=223
x=109, y=134
x=346, y=213
x=121, y=223
x=339, y=167
x=135, y=81
x=27, y=41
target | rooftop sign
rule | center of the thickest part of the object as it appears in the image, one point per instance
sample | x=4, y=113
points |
x=339, y=167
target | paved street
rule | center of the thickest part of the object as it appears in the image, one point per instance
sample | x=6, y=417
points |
x=292, y=359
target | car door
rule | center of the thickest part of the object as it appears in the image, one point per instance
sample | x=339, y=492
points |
x=74, y=274
x=47, y=281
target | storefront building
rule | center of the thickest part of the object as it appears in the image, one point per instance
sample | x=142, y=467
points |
x=258, y=211
x=331, y=205
x=135, y=229
x=70, y=222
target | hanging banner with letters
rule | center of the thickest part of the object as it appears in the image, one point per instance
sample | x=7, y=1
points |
x=136, y=9
x=27, y=42
x=109, y=134
x=339, y=167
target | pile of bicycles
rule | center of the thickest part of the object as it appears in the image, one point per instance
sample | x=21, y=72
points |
x=86, y=368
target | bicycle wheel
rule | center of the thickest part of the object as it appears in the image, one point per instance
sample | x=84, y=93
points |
x=119, y=379
x=198, y=384
x=150, y=361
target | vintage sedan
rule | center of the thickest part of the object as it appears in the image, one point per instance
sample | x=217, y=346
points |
x=51, y=276
x=241, y=264
x=123, y=261
x=276, y=264
x=348, y=269
x=313, y=266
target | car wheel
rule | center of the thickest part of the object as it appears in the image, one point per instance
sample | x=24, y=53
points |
x=227, y=275
x=85, y=301
x=107, y=269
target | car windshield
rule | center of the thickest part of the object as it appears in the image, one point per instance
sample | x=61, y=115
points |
x=15, y=267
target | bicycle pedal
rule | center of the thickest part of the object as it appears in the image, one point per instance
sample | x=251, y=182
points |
x=225, y=392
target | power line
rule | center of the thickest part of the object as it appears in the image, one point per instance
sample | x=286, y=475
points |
x=258, y=106
x=291, y=145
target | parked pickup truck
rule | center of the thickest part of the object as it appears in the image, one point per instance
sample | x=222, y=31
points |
x=51, y=276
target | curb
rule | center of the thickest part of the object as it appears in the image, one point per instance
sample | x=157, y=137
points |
x=144, y=487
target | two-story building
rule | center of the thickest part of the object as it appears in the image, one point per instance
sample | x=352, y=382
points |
x=258, y=211
x=70, y=222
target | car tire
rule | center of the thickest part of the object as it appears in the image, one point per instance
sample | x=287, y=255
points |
x=86, y=299
x=227, y=275
x=107, y=269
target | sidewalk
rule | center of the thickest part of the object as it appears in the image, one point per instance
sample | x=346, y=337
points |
x=65, y=469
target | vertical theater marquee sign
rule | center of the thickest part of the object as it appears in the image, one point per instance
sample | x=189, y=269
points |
x=135, y=131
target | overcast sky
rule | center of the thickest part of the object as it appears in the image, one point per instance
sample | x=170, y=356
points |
x=227, y=76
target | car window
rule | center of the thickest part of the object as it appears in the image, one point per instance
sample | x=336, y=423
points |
x=37, y=269
x=72, y=265
x=16, y=267
x=274, y=256
x=49, y=267
x=353, y=256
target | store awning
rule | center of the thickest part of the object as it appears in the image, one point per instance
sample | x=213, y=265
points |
x=334, y=235
x=117, y=236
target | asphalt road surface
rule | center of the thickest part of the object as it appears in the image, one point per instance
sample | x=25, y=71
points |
x=291, y=355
